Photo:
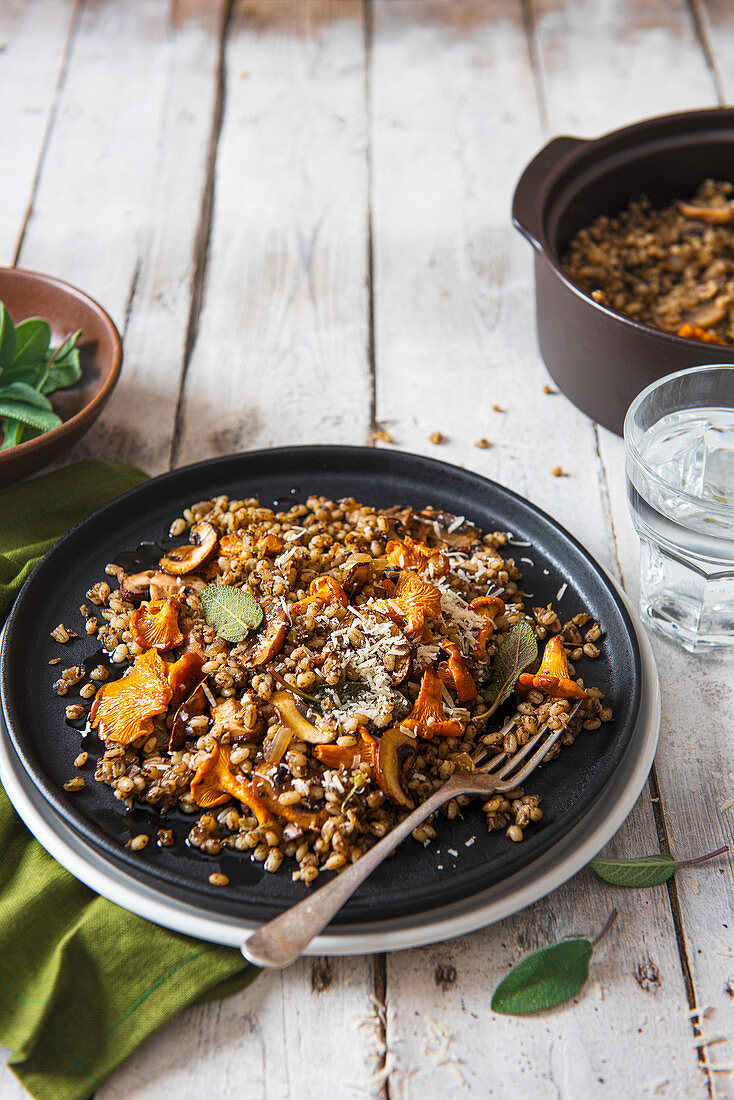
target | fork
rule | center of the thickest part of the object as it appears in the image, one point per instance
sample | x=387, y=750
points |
x=280, y=941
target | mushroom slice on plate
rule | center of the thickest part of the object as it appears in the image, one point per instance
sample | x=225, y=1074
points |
x=186, y=559
x=193, y=707
x=292, y=716
x=270, y=638
x=155, y=585
x=393, y=751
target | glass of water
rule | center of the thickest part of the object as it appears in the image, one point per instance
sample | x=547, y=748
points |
x=679, y=438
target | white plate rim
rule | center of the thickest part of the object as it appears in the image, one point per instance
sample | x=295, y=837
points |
x=545, y=874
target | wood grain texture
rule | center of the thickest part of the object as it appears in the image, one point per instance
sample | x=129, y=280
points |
x=308, y=1031
x=34, y=40
x=653, y=67
x=240, y=260
x=120, y=199
x=281, y=351
x=453, y=336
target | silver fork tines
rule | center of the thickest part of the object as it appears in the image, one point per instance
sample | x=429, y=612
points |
x=511, y=761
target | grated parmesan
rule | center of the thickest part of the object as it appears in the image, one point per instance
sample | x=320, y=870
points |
x=455, y=524
x=436, y=1046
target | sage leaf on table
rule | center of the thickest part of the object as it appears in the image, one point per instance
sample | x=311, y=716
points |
x=642, y=871
x=544, y=979
x=232, y=612
x=30, y=369
x=515, y=652
x=548, y=977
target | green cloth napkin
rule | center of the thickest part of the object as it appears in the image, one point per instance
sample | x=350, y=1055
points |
x=82, y=982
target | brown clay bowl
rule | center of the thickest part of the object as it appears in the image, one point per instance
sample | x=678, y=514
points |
x=602, y=359
x=29, y=294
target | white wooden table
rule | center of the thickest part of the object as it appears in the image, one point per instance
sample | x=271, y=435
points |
x=298, y=214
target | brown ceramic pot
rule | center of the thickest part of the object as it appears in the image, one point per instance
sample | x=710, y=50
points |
x=29, y=294
x=599, y=358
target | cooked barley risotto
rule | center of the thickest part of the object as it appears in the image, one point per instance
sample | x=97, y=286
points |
x=671, y=268
x=298, y=681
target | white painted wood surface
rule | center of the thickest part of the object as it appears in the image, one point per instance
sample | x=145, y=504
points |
x=298, y=211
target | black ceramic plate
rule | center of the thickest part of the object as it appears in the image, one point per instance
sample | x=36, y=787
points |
x=465, y=858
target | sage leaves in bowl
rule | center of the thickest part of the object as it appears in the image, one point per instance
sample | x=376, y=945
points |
x=30, y=370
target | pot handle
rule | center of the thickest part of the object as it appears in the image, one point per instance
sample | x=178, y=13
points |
x=526, y=212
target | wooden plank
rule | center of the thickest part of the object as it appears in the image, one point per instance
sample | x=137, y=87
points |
x=658, y=69
x=34, y=36
x=307, y=1031
x=121, y=197
x=454, y=336
x=285, y=312
x=281, y=353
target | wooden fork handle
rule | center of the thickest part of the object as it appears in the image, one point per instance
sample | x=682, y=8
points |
x=283, y=939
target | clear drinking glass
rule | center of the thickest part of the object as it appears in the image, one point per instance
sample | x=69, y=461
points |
x=679, y=436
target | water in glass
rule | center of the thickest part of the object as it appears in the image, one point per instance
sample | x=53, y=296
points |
x=682, y=501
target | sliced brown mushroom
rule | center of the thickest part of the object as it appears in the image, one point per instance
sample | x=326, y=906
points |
x=459, y=536
x=712, y=215
x=163, y=584
x=357, y=573
x=155, y=585
x=136, y=586
x=185, y=559
x=270, y=638
x=394, y=749
x=432, y=527
x=193, y=707
x=707, y=314
x=228, y=717
x=271, y=799
x=292, y=716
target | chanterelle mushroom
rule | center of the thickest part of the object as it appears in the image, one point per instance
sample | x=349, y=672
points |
x=553, y=677
x=453, y=671
x=428, y=718
x=154, y=625
x=416, y=600
x=490, y=608
x=214, y=783
x=123, y=710
x=185, y=559
x=336, y=756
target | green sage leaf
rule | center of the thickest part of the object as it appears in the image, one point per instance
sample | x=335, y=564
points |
x=62, y=373
x=32, y=337
x=516, y=651
x=59, y=353
x=7, y=339
x=640, y=871
x=19, y=401
x=546, y=978
x=232, y=612
x=12, y=433
x=28, y=374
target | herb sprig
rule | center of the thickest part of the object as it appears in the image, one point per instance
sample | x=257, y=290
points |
x=547, y=977
x=232, y=612
x=516, y=651
x=644, y=871
x=30, y=369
